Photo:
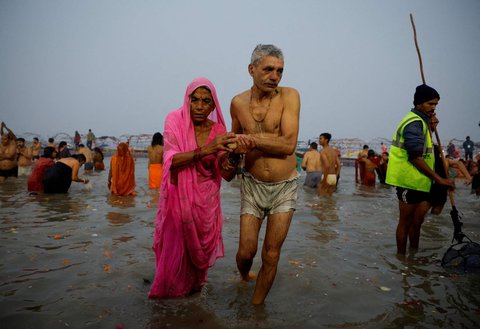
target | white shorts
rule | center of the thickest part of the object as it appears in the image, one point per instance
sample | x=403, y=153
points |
x=24, y=171
x=331, y=179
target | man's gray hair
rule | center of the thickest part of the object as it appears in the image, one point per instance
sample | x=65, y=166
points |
x=262, y=51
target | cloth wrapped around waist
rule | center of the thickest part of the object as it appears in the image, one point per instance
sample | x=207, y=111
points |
x=155, y=172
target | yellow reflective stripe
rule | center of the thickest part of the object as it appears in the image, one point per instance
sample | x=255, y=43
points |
x=402, y=126
x=397, y=144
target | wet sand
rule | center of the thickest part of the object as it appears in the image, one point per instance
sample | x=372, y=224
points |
x=83, y=260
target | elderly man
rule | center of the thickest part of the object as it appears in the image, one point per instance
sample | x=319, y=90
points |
x=266, y=119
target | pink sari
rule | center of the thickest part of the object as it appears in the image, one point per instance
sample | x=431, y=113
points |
x=188, y=226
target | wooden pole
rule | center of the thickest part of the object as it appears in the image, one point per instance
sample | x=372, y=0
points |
x=418, y=48
x=440, y=149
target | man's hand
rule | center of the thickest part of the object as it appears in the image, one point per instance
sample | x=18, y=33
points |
x=434, y=121
x=450, y=183
x=245, y=143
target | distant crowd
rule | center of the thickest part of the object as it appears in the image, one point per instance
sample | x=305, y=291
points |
x=371, y=166
x=53, y=167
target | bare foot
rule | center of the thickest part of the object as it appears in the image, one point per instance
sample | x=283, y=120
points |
x=250, y=276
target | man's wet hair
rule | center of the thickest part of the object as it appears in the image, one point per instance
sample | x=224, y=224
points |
x=314, y=145
x=262, y=51
x=21, y=139
x=327, y=136
x=80, y=157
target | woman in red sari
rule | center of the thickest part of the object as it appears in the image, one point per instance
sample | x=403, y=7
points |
x=188, y=226
x=121, y=177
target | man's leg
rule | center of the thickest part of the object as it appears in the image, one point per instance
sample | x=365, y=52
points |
x=420, y=211
x=403, y=227
x=247, y=248
x=276, y=232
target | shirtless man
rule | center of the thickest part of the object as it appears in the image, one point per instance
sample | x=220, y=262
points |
x=266, y=119
x=311, y=163
x=8, y=154
x=88, y=166
x=155, y=161
x=36, y=149
x=330, y=165
x=24, y=158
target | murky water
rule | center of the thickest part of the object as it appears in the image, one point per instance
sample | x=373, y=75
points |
x=83, y=260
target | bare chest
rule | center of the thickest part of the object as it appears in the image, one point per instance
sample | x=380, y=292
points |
x=8, y=149
x=255, y=120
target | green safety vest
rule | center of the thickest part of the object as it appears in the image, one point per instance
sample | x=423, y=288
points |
x=400, y=171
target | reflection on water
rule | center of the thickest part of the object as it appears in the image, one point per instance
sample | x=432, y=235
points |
x=58, y=207
x=121, y=201
x=84, y=259
x=116, y=218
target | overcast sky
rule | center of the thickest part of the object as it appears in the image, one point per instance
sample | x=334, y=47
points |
x=118, y=67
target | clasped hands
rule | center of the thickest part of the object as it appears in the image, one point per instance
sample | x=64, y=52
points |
x=231, y=142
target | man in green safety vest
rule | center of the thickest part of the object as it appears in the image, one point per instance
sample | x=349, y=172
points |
x=411, y=166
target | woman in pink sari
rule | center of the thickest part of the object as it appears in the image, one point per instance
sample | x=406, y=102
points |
x=188, y=226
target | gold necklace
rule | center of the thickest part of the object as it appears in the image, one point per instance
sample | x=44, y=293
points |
x=250, y=106
x=258, y=122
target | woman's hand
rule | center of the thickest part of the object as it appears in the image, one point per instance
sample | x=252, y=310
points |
x=219, y=143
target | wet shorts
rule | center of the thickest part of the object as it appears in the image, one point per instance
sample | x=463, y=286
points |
x=411, y=196
x=24, y=171
x=265, y=198
x=438, y=194
x=313, y=178
x=9, y=172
